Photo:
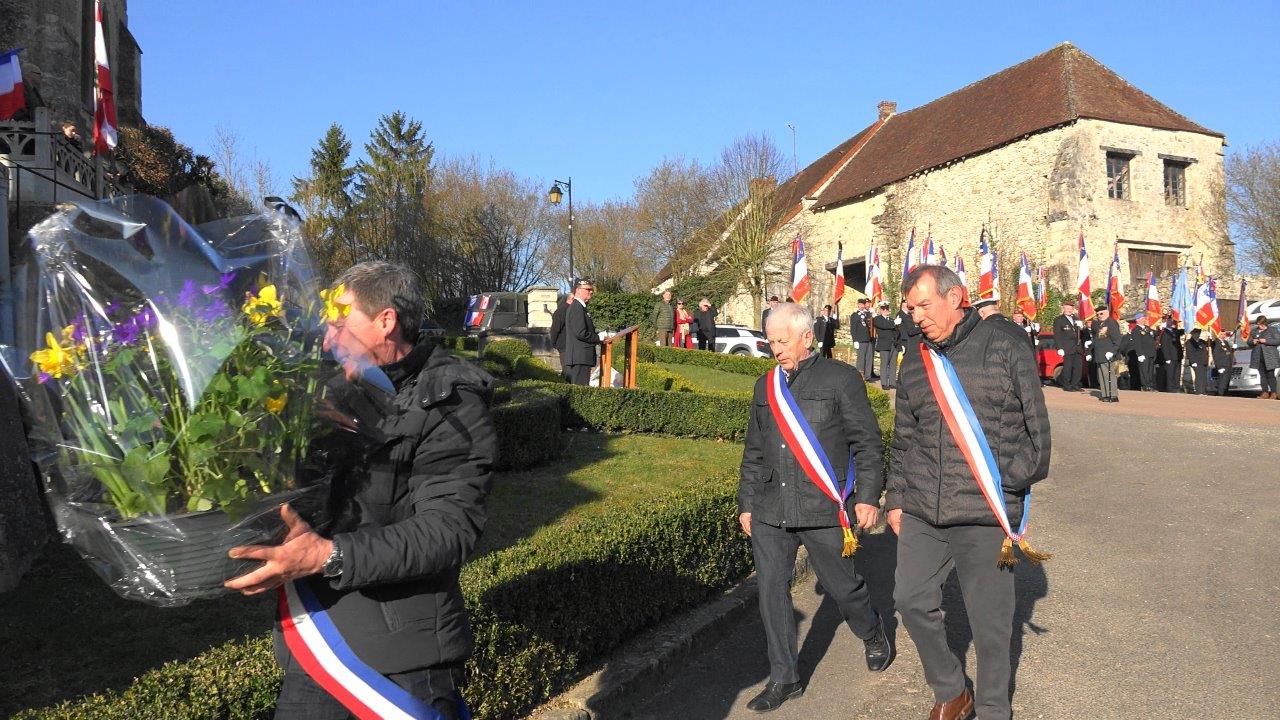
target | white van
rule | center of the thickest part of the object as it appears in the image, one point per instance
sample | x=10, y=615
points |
x=1243, y=377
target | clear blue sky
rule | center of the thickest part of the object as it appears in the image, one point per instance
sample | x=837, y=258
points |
x=552, y=89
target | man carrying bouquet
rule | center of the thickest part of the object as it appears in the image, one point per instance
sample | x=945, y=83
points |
x=371, y=614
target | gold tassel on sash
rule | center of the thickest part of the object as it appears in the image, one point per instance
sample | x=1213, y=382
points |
x=1007, y=558
x=1035, y=556
x=850, y=543
x=1006, y=554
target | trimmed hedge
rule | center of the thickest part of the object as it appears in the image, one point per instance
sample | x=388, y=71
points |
x=686, y=414
x=652, y=377
x=460, y=342
x=736, y=364
x=543, y=611
x=528, y=428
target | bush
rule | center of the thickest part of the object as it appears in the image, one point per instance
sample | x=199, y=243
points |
x=528, y=428
x=536, y=610
x=460, y=342
x=615, y=311
x=507, y=349
x=685, y=414
x=737, y=364
x=652, y=377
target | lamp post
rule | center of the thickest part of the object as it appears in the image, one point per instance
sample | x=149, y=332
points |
x=554, y=195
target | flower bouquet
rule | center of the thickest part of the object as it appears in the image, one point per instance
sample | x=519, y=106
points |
x=169, y=379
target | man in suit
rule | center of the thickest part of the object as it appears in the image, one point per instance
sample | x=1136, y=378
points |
x=1066, y=335
x=886, y=346
x=1197, y=354
x=824, y=331
x=1224, y=358
x=860, y=333
x=580, y=337
x=781, y=507
x=406, y=513
x=1143, y=342
x=1169, y=354
x=1106, y=352
x=764, y=316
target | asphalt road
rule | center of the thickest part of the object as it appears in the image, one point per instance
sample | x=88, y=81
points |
x=1161, y=600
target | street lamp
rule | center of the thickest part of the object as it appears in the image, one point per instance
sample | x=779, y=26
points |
x=554, y=195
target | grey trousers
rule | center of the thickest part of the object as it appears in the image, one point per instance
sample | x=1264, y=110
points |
x=1107, y=379
x=302, y=699
x=866, y=359
x=926, y=555
x=774, y=549
x=888, y=368
x=578, y=374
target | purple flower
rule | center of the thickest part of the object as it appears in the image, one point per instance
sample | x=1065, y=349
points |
x=44, y=377
x=216, y=310
x=223, y=283
x=79, y=330
x=129, y=331
x=112, y=308
x=187, y=298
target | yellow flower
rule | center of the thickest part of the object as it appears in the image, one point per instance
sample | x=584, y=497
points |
x=334, y=310
x=275, y=404
x=55, y=360
x=263, y=306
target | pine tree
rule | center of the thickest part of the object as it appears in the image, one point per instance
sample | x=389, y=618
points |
x=325, y=197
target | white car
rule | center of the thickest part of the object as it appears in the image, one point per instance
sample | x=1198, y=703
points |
x=1243, y=377
x=741, y=340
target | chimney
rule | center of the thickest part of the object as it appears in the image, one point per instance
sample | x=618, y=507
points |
x=887, y=108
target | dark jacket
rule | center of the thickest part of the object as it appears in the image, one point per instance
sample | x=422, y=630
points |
x=1143, y=342
x=1265, y=356
x=908, y=331
x=580, y=336
x=557, y=326
x=706, y=322
x=886, y=333
x=408, y=514
x=928, y=475
x=1198, y=350
x=860, y=326
x=1169, y=344
x=1224, y=354
x=824, y=331
x=1066, y=334
x=1106, y=339
x=663, y=317
x=833, y=398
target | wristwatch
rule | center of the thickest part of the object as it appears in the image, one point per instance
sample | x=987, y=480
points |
x=333, y=566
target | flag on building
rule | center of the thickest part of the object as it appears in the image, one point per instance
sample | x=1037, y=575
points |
x=104, y=109
x=1242, y=316
x=12, y=96
x=986, y=269
x=909, y=260
x=799, y=271
x=1115, y=286
x=1082, y=282
x=1154, y=311
x=839, y=287
x=1026, y=296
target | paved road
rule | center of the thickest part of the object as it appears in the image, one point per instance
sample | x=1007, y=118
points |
x=1161, y=601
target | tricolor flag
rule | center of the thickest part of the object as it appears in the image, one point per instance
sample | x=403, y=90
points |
x=874, y=289
x=1242, y=317
x=104, y=109
x=942, y=256
x=964, y=278
x=12, y=96
x=838, y=292
x=1082, y=282
x=1207, y=306
x=909, y=261
x=930, y=251
x=799, y=271
x=1042, y=288
x=1216, y=323
x=1026, y=298
x=1115, y=286
x=1154, y=311
x=986, y=269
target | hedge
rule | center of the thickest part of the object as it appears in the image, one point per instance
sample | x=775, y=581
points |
x=653, y=377
x=461, y=342
x=528, y=428
x=737, y=364
x=543, y=612
x=686, y=414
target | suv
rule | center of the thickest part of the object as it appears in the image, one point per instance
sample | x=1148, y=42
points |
x=740, y=340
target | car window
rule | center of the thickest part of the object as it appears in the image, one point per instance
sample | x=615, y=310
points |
x=724, y=332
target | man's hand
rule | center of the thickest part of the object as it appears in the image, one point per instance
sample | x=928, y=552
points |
x=302, y=553
x=1110, y=355
x=867, y=515
x=745, y=521
x=894, y=519
x=1061, y=353
x=1142, y=358
x=855, y=345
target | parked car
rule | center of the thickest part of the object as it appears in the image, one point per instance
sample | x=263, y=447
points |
x=431, y=329
x=740, y=340
x=1243, y=377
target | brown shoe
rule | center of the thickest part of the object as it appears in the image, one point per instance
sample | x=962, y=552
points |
x=957, y=708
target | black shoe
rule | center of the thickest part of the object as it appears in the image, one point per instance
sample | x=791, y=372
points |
x=879, y=651
x=773, y=695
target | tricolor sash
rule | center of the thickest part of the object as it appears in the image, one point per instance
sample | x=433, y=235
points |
x=972, y=441
x=319, y=648
x=798, y=434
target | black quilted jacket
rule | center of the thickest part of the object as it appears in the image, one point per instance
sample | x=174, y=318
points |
x=928, y=477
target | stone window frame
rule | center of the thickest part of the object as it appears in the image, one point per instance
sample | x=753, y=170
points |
x=1119, y=167
x=1175, y=179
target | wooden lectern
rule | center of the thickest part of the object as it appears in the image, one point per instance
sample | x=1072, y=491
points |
x=631, y=342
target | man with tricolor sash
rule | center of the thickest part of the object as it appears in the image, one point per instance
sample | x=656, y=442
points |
x=812, y=473
x=971, y=436
x=372, y=623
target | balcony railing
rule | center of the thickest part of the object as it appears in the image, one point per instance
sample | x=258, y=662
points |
x=46, y=167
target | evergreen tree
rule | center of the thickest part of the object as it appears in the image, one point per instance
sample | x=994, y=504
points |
x=325, y=198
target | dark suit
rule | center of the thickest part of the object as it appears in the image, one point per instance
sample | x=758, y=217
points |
x=887, y=347
x=1224, y=358
x=1169, y=357
x=1198, y=360
x=580, y=341
x=824, y=333
x=860, y=333
x=706, y=321
x=1106, y=353
x=1066, y=335
x=1143, y=343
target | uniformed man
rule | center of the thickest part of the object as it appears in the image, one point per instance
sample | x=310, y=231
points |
x=1066, y=335
x=1224, y=358
x=987, y=308
x=886, y=346
x=824, y=331
x=1143, y=343
x=1197, y=356
x=1169, y=354
x=1031, y=329
x=860, y=333
x=1105, y=332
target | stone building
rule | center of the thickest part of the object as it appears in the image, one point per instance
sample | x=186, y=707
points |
x=1036, y=154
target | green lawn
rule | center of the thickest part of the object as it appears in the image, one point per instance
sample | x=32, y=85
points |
x=705, y=378
x=65, y=634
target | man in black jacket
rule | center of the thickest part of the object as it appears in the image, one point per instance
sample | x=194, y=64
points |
x=1169, y=354
x=934, y=504
x=886, y=346
x=580, y=336
x=1224, y=358
x=705, y=318
x=860, y=333
x=824, y=331
x=1066, y=335
x=1105, y=350
x=406, y=515
x=780, y=507
x=1143, y=344
x=1197, y=354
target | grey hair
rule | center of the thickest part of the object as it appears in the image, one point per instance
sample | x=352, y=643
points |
x=944, y=279
x=798, y=317
x=378, y=285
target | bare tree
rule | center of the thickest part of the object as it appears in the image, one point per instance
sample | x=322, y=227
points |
x=1253, y=204
x=248, y=177
x=674, y=203
x=606, y=247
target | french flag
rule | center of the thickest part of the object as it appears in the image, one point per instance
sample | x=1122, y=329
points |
x=930, y=250
x=1082, y=282
x=12, y=97
x=799, y=271
x=1207, y=305
x=105, y=137
x=1026, y=297
x=964, y=279
x=1042, y=287
x=986, y=269
x=909, y=262
x=1242, y=315
x=1154, y=311
x=1115, y=286
x=839, y=290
